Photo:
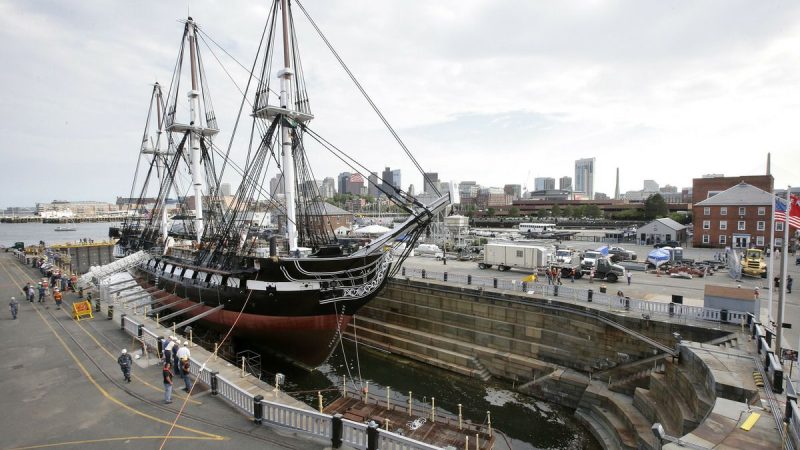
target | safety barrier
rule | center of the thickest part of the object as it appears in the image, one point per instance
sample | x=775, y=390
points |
x=676, y=311
x=234, y=394
x=307, y=422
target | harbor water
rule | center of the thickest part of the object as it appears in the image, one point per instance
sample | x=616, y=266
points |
x=525, y=422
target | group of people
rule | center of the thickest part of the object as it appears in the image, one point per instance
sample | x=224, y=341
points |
x=29, y=292
x=175, y=363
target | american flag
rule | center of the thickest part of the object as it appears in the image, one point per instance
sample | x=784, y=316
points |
x=794, y=211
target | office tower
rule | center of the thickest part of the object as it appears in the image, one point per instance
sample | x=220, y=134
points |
x=565, y=183
x=584, y=176
x=343, y=178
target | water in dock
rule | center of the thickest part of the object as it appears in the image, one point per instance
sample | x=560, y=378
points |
x=526, y=422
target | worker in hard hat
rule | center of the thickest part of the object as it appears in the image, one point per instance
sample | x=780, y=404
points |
x=125, y=362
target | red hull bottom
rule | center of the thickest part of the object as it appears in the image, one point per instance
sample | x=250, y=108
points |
x=306, y=340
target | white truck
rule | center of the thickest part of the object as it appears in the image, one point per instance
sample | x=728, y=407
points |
x=514, y=256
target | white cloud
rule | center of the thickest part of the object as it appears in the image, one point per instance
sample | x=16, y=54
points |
x=480, y=90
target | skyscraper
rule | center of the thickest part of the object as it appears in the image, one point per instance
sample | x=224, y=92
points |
x=584, y=177
x=565, y=183
x=342, y=179
x=544, y=183
x=373, y=188
x=431, y=179
x=390, y=179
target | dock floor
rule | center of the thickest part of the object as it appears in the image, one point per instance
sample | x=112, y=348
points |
x=63, y=388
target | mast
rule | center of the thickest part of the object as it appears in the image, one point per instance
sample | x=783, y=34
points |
x=285, y=76
x=194, y=139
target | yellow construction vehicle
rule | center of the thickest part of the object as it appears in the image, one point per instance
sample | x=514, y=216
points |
x=753, y=264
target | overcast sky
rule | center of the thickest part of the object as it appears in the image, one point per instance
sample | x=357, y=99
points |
x=492, y=91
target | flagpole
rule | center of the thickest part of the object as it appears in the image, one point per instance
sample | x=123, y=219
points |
x=770, y=268
x=784, y=261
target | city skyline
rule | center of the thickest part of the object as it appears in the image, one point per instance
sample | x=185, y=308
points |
x=656, y=90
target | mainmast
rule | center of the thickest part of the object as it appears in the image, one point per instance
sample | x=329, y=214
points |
x=194, y=139
x=285, y=76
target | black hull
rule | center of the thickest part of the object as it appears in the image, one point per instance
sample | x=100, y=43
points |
x=294, y=307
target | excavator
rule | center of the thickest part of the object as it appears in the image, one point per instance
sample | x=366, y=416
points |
x=753, y=264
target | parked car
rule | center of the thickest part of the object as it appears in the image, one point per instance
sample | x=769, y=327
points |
x=620, y=254
x=667, y=244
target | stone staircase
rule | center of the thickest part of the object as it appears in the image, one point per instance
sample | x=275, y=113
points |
x=667, y=394
x=726, y=342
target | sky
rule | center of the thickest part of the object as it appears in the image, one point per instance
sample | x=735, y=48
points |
x=498, y=92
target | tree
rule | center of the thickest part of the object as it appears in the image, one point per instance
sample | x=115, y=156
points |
x=568, y=211
x=655, y=207
x=593, y=211
x=491, y=212
x=556, y=211
x=541, y=213
x=513, y=212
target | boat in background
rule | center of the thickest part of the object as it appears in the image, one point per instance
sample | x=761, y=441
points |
x=66, y=229
x=297, y=292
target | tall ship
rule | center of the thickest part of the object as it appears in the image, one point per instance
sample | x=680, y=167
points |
x=294, y=289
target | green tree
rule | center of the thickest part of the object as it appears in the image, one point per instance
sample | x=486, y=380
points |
x=593, y=211
x=577, y=212
x=491, y=212
x=513, y=212
x=655, y=207
x=568, y=211
x=541, y=213
x=629, y=214
x=556, y=211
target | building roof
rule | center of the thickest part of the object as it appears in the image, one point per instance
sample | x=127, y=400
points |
x=742, y=194
x=667, y=222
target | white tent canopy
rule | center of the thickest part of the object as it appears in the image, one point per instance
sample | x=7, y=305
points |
x=371, y=230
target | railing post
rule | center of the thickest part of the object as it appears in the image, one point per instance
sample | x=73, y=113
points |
x=469, y=279
x=121, y=320
x=445, y=277
x=110, y=312
x=258, y=409
x=214, y=382
x=403, y=271
x=494, y=283
x=372, y=436
x=140, y=331
x=589, y=295
x=423, y=274
x=336, y=431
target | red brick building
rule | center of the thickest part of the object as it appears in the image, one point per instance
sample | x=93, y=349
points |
x=737, y=217
x=703, y=188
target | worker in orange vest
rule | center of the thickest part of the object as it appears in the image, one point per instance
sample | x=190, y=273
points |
x=57, y=297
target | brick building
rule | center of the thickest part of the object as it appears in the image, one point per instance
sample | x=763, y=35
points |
x=738, y=217
x=703, y=188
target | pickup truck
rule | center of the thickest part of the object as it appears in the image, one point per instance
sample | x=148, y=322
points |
x=620, y=254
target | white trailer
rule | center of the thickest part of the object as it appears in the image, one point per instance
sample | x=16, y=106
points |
x=507, y=256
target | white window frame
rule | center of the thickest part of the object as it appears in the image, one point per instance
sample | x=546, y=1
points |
x=723, y=210
x=778, y=226
x=723, y=239
x=761, y=225
x=706, y=224
x=762, y=210
x=706, y=239
x=742, y=210
x=741, y=225
x=760, y=241
x=706, y=211
x=723, y=224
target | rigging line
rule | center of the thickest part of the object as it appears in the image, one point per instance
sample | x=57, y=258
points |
x=341, y=344
x=225, y=338
x=336, y=151
x=355, y=339
x=244, y=98
x=363, y=92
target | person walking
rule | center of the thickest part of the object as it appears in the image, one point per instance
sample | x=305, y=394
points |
x=170, y=344
x=31, y=293
x=27, y=291
x=167, y=374
x=628, y=275
x=125, y=362
x=57, y=297
x=755, y=293
x=183, y=355
x=789, y=284
x=14, y=306
x=42, y=292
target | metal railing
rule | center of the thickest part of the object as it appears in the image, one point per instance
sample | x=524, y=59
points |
x=307, y=422
x=675, y=311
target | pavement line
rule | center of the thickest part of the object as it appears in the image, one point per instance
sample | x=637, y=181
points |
x=209, y=436
x=95, y=441
x=113, y=357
